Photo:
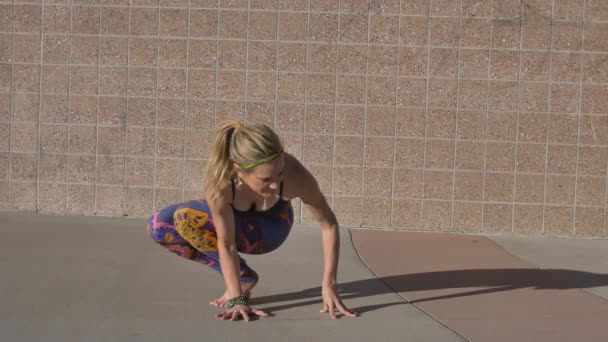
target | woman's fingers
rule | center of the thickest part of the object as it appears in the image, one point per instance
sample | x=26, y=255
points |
x=332, y=314
x=237, y=313
x=228, y=315
x=216, y=303
x=345, y=311
x=261, y=313
x=245, y=315
x=331, y=308
x=223, y=315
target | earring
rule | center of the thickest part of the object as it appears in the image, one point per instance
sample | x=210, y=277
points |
x=239, y=182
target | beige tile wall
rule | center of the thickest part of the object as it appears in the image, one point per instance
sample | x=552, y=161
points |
x=455, y=115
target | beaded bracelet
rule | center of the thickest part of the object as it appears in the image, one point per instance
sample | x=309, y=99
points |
x=239, y=300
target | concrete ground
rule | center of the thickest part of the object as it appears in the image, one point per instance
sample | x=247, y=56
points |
x=496, y=288
x=584, y=255
x=104, y=279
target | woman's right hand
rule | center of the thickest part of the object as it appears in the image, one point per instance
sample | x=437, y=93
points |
x=241, y=311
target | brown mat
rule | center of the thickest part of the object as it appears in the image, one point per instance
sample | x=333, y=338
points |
x=482, y=292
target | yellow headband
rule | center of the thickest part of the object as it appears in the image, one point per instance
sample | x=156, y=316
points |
x=261, y=161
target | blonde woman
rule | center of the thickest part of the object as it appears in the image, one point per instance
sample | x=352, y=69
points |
x=250, y=182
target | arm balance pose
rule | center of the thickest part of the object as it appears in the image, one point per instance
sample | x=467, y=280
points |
x=249, y=184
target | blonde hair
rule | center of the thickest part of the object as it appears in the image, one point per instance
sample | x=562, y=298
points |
x=240, y=144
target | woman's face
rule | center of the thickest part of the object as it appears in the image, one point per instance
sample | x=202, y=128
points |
x=265, y=179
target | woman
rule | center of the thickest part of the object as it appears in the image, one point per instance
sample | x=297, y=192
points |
x=250, y=182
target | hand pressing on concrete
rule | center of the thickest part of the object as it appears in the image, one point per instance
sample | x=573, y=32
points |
x=331, y=302
x=241, y=311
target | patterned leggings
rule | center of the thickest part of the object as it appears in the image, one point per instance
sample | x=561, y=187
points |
x=163, y=228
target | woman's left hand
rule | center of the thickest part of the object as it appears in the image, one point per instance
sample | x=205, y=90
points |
x=331, y=302
x=244, y=311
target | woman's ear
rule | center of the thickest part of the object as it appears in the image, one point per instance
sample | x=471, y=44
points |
x=238, y=172
x=236, y=169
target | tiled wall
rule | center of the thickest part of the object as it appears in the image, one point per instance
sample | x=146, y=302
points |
x=453, y=115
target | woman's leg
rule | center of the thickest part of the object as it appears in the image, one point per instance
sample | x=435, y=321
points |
x=182, y=230
x=211, y=259
x=163, y=232
x=249, y=278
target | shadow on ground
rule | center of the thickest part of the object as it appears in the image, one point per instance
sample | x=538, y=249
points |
x=489, y=280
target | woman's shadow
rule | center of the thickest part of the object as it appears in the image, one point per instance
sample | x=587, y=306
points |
x=492, y=280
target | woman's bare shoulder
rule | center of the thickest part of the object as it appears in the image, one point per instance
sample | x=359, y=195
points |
x=296, y=177
x=222, y=197
x=293, y=167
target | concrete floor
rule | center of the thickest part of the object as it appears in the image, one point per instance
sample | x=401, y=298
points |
x=104, y=279
x=583, y=255
x=496, y=289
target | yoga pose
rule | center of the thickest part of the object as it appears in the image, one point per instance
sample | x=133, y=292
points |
x=249, y=184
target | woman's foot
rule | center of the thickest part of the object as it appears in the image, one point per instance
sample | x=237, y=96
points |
x=245, y=288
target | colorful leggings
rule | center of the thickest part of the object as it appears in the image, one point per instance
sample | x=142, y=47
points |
x=163, y=231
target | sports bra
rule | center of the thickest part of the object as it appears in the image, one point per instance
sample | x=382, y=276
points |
x=263, y=231
x=252, y=208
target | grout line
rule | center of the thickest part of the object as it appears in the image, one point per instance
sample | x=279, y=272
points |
x=426, y=112
x=186, y=108
x=10, y=117
x=217, y=55
x=287, y=10
x=154, y=197
x=369, y=22
x=396, y=110
x=604, y=230
x=335, y=107
x=276, y=72
x=579, y=113
x=69, y=121
x=547, y=132
x=605, y=214
x=246, y=93
x=215, y=97
x=352, y=136
x=485, y=138
x=207, y=99
x=317, y=103
x=38, y=143
x=125, y=122
x=95, y=212
x=519, y=80
x=322, y=164
x=454, y=155
x=305, y=97
x=346, y=43
x=142, y=66
x=386, y=228
x=563, y=205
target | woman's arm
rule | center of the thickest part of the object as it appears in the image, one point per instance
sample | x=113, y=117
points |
x=314, y=201
x=223, y=220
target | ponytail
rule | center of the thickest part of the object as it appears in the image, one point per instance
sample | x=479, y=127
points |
x=219, y=165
